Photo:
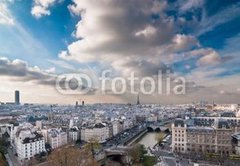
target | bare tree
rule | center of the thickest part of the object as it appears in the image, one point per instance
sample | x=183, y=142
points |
x=2, y=160
x=70, y=155
x=136, y=154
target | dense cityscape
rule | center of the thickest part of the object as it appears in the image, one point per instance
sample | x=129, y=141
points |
x=188, y=134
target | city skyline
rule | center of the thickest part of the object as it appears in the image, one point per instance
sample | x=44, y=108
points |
x=194, y=39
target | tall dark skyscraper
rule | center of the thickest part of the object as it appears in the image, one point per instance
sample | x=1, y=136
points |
x=138, y=100
x=17, y=97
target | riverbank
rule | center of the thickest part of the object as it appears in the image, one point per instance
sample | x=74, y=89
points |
x=135, y=139
x=148, y=139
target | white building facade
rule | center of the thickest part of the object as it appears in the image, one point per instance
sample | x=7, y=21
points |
x=28, y=142
x=99, y=132
x=56, y=138
x=73, y=134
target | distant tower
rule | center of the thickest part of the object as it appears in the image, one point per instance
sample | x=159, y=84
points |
x=17, y=97
x=39, y=124
x=71, y=123
x=50, y=114
x=138, y=101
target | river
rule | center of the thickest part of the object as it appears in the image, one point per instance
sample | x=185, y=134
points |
x=150, y=139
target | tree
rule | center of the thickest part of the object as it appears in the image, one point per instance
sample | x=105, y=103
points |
x=139, y=157
x=137, y=153
x=70, y=155
x=149, y=161
x=78, y=141
x=3, y=145
x=160, y=137
x=93, y=145
x=2, y=160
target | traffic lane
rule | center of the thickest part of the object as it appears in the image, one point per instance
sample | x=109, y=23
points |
x=169, y=161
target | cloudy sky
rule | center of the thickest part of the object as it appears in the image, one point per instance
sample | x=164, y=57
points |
x=195, y=39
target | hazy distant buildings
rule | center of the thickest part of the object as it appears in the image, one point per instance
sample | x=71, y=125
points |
x=17, y=97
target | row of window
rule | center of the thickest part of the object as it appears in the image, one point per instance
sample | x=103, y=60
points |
x=179, y=131
x=179, y=140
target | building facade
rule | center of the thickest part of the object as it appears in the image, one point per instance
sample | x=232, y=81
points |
x=209, y=139
x=28, y=142
x=73, y=134
x=56, y=137
x=99, y=132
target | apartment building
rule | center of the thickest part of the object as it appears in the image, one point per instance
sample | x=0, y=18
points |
x=116, y=127
x=179, y=136
x=99, y=132
x=73, y=134
x=56, y=137
x=236, y=143
x=190, y=138
x=28, y=142
x=6, y=132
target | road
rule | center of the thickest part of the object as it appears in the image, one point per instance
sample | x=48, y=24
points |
x=166, y=156
x=13, y=159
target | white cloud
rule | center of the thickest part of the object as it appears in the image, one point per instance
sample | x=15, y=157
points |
x=51, y=70
x=19, y=70
x=123, y=36
x=62, y=64
x=191, y=4
x=183, y=42
x=209, y=59
x=147, y=32
x=5, y=14
x=41, y=7
x=206, y=56
x=39, y=11
x=209, y=23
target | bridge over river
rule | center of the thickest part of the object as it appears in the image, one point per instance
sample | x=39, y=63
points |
x=119, y=150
